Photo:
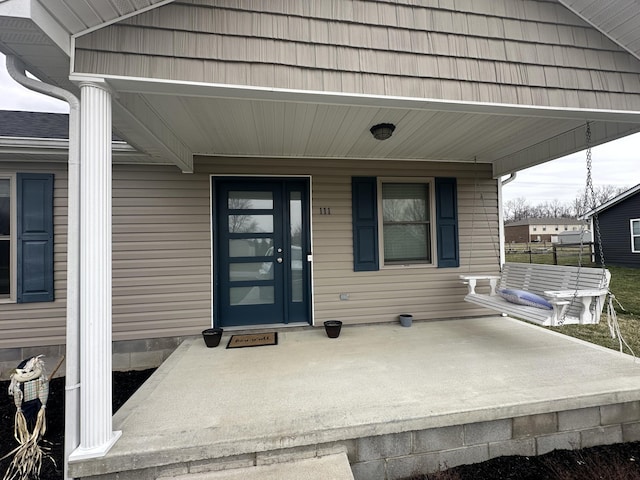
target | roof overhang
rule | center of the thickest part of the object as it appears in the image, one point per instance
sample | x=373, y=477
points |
x=172, y=121
x=239, y=121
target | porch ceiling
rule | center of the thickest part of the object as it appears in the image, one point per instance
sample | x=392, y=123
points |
x=221, y=120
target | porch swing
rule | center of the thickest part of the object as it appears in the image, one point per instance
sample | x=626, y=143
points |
x=551, y=295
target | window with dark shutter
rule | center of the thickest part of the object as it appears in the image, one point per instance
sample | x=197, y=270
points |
x=34, y=237
x=364, y=198
x=447, y=222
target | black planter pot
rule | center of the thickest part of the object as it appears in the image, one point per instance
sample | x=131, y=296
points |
x=212, y=336
x=332, y=327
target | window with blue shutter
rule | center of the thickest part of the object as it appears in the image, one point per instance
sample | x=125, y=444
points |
x=364, y=198
x=447, y=222
x=407, y=228
x=34, y=237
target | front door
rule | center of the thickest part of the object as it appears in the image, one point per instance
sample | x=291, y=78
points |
x=262, y=247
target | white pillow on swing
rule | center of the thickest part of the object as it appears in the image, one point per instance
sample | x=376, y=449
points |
x=522, y=297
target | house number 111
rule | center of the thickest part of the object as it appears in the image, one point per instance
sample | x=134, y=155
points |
x=325, y=211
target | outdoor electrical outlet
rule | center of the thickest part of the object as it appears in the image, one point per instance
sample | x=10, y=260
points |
x=344, y=296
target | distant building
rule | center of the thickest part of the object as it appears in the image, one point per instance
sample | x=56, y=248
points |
x=540, y=229
x=619, y=221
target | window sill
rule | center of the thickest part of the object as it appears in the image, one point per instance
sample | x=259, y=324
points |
x=402, y=266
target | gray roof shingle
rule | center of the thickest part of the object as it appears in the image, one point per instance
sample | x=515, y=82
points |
x=35, y=125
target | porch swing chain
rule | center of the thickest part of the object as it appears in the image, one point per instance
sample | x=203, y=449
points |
x=590, y=205
x=486, y=217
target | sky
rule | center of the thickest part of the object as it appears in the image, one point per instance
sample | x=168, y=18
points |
x=615, y=163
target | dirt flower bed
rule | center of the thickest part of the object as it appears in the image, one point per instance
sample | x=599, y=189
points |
x=615, y=462
x=610, y=462
x=124, y=385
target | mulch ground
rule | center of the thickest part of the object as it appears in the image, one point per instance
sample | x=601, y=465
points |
x=613, y=462
x=124, y=385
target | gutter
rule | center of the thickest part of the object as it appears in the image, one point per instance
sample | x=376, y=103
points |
x=16, y=70
x=510, y=179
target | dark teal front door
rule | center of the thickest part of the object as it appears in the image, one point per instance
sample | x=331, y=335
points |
x=262, y=273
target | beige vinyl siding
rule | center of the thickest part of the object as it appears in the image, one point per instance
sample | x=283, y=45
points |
x=161, y=259
x=34, y=324
x=161, y=253
x=527, y=52
x=162, y=249
x=426, y=292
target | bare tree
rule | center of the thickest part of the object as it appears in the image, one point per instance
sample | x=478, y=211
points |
x=516, y=209
x=521, y=209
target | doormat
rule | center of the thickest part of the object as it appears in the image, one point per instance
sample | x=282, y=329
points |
x=253, y=340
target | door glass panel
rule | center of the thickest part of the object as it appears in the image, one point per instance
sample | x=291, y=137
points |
x=251, y=295
x=242, y=272
x=250, y=223
x=250, y=200
x=250, y=247
x=295, y=232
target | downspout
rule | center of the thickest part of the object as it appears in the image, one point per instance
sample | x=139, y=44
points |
x=72, y=384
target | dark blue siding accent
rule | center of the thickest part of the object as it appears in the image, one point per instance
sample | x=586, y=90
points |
x=615, y=229
x=447, y=222
x=364, y=199
x=35, y=237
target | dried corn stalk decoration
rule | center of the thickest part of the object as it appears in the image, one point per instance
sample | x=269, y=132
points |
x=29, y=388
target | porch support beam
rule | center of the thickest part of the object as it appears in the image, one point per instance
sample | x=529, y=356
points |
x=156, y=139
x=564, y=144
x=96, y=432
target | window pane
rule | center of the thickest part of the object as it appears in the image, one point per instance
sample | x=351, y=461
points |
x=251, y=295
x=5, y=272
x=404, y=202
x=250, y=247
x=250, y=200
x=636, y=227
x=295, y=229
x=636, y=244
x=5, y=207
x=250, y=223
x=239, y=272
x=406, y=243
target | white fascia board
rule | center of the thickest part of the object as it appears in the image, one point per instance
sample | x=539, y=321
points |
x=613, y=201
x=199, y=89
x=43, y=145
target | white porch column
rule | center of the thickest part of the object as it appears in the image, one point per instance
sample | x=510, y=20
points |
x=96, y=433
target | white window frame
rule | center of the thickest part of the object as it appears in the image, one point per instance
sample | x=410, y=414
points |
x=430, y=182
x=12, y=237
x=631, y=221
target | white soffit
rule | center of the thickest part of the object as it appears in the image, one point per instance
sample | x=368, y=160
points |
x=221, y=120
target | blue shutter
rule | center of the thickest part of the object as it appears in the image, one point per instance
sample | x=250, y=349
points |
x=35, y=237
x=364, y=199
x=447, y=222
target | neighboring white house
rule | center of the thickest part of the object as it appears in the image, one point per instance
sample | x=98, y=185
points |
x=369, y=135
x=540, y=229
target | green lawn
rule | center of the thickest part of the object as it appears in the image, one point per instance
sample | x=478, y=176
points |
x=625, y=285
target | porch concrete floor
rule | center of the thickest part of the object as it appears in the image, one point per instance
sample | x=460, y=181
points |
x=377, y=379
